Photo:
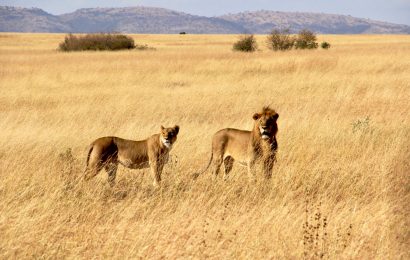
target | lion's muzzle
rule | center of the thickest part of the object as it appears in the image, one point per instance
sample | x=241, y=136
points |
x=264, y=132
x=166, y=142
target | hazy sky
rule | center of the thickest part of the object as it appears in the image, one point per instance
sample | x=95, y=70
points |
x=396, y=11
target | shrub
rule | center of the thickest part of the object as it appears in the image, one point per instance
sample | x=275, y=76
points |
x=306, y=40
x=280, y=40
x=246, y=43
x=97, y=42
x=67, y=161
x=362, y=125
x=325, y=45
x=144, y=47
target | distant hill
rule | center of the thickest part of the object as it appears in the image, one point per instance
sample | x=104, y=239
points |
x=15, y=19
x=160, y=20
x=263, y=22
x=145, y=20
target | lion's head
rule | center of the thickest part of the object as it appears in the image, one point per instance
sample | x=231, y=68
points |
x=169, y=135
x=265, y=122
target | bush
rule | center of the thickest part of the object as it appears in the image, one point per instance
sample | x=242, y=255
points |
x=97, y=42
x=306, y=40
x=246, y=43
x=325, y=45
x=144, y=47
x=280, y=40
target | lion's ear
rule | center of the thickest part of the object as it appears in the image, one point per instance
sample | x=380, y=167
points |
x=256, y=116
x=176, y=127
x=162, y=128
x=276, y=116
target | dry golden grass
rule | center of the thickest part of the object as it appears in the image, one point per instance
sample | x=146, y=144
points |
x=340, y=188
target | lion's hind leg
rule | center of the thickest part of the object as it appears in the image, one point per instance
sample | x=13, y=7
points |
x=217, y=162
x=111, y=169
x=228, y=165
x=92, y=170
x=95, y=164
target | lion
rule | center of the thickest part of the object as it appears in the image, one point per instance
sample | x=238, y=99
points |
x=153, y=152
x=246, y=147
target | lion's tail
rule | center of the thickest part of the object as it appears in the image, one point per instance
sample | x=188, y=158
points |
x=196, y=175
x=86, y=169
x=90, y=150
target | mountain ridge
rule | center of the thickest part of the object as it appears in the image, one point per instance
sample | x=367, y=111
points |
x=155, y=20
x=335, y=23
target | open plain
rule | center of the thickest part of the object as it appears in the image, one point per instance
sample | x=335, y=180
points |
x=340, y=187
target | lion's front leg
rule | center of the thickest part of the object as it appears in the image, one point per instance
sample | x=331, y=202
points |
x=251, y=169
x=156, y=170
x=267, y=166
x=167, y=158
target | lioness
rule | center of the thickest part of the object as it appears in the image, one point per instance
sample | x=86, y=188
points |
x=246, y=147
x=108, y=152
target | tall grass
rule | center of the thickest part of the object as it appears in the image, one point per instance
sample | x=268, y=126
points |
x=339, y=188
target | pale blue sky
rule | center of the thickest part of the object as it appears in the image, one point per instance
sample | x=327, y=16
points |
x=396, y=11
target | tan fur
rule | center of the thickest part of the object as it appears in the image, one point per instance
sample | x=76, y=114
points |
x=246, y=147
x=108, y=152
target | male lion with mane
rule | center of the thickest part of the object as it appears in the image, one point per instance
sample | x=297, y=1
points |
x=246, y=147
x=108, y=152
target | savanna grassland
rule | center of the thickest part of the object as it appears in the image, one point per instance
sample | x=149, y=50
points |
x=340, y=188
